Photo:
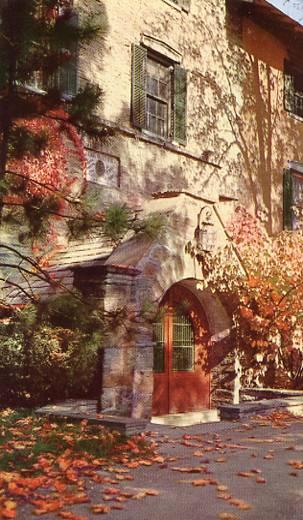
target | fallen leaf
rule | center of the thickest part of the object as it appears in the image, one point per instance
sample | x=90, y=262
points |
x=240, y=504
x=120, y=499
x=256, y=471
x=260, y=480
x=152, y=492
x=71, y=516
x=200, y=482
x=7, y=513
x=48, y=507
x=100, y=509
x=227, y=516
x=111, y=491
x=224, y=496
x=139, y=495
x=188, y=470
x=145, y=462
x=222, y=488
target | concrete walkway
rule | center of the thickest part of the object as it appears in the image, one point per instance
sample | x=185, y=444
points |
x=248, y=471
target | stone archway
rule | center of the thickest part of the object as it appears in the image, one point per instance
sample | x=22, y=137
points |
x=188, y=387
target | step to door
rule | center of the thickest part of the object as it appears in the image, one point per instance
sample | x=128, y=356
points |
x=187, y=419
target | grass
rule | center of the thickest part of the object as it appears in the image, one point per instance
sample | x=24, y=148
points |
x=24, y=438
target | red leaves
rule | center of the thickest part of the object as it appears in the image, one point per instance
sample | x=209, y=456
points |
x=102, y=509
x=246, y=313
x=57, y=481
x=8, y=509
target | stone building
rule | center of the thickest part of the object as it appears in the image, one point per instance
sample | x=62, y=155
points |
x=206, y=102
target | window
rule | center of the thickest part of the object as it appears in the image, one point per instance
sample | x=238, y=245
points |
x=158, y=95
x=293, y=89
x=293, y=199
x=65, y=78
x=174, y=344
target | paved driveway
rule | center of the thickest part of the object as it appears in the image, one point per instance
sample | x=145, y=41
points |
x=241, y=471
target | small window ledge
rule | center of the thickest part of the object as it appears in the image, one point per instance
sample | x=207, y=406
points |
x=172, y=4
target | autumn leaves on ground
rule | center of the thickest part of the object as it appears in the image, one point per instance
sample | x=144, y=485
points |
x=76, y=471
x=48, y=465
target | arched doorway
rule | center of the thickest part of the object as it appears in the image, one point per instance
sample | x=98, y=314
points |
x=181, y=335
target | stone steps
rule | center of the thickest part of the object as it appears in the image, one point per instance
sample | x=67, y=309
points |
x=187, y=419
x=234, y=412
x=78, y=410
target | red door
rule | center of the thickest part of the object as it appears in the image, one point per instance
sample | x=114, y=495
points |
x=180, y=335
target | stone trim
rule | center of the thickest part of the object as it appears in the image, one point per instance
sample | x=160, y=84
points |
x=157, y=141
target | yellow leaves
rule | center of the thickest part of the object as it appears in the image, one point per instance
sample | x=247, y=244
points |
x=198, y=453
x=8, y=509
x=188, y=470
x=222, y=488
x=100, y=509
x=268, y=456
x=139, y=496
x=240, y=504
x=71, y=516
x=46, y=506
x=227, y=516
x=63, y=463
x=200, y=482
x=76, y=498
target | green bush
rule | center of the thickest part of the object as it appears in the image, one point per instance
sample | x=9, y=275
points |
x=41, y=361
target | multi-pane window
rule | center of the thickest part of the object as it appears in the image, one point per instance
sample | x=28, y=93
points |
x=159, y=93
x=177, y=338
x=183, y=343
x=65, y=78
x=293, y=89
x=293, y=199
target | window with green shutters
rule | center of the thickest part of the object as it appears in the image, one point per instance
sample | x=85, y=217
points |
x=159, y=92
x=292, y=200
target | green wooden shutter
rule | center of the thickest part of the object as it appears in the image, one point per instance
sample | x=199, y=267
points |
x=68, y=72
x=179, y=105
x=287, y=200
x=138, y=107
x=289, y=88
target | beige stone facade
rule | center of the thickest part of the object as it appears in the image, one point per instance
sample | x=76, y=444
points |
x=242, y=132
x=205, y=116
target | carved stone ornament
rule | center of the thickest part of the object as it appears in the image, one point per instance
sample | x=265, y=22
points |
x=102, y=168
